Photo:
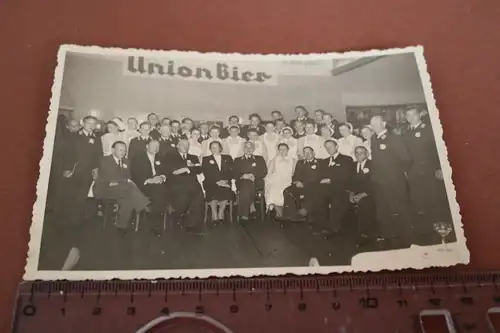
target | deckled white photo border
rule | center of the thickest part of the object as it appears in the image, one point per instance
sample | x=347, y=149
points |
x=414, y=257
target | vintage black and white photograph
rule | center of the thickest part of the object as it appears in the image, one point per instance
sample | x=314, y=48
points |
x=161, y=164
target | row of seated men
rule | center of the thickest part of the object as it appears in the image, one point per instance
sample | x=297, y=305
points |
x=404, y=192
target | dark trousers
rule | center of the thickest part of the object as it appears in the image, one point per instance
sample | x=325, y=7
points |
x=334, y=206
x=393, y=211
x=188, y=200
x=296, y=198
x=246, y=196
x=365, y=217
x=129, y=198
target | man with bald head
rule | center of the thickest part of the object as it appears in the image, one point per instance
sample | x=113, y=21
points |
x=184, y=191
x=249, y=172
x=390, y=161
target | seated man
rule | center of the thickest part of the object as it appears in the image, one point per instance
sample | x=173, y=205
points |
x=335, y=175
x=249, y=173
x=302, y=197
x=113, y=182
x=361, y=196
x=185, y=193
x=148, y=173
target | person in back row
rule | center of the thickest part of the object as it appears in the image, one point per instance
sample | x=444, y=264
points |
x=335, y=175
x=302, y=198
x=148, y=173
x=425, y=179
x=155, y=122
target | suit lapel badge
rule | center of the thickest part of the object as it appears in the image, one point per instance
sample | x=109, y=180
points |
x=91, y=141
x=417, y=135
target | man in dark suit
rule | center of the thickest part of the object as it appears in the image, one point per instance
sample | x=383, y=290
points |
x=155, y=124
x=186, y=127
x=318, y=120
x=301, y=115
x=249, y=173
x=390, y=160
x=425, y=179
x=148, y=173
x=114, y=182
x=299, y=129
x=361, y=196
x=255, y=121
x=138, y=145
x=168, y=144
x=335, y=173
x=302, y=197
x=80, y=162
x=185, y=193
x=175, y=128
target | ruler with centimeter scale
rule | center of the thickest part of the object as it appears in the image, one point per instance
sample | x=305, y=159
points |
x=391, y=303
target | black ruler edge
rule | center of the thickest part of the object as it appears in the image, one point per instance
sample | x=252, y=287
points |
x=371, y=281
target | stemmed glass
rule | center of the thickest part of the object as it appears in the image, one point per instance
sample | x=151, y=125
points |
x=443, y=229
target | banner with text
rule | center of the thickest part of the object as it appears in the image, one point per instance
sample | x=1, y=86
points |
x=215, y=71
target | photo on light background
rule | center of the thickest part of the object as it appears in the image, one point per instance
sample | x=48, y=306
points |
x=166, y=164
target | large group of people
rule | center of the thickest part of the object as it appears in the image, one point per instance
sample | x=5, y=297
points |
x=316, y=170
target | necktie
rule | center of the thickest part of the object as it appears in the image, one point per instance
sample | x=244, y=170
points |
x=359, y=167
x=184, y=157
x=120, y=164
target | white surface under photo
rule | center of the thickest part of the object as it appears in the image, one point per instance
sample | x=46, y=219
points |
x=168, y=164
